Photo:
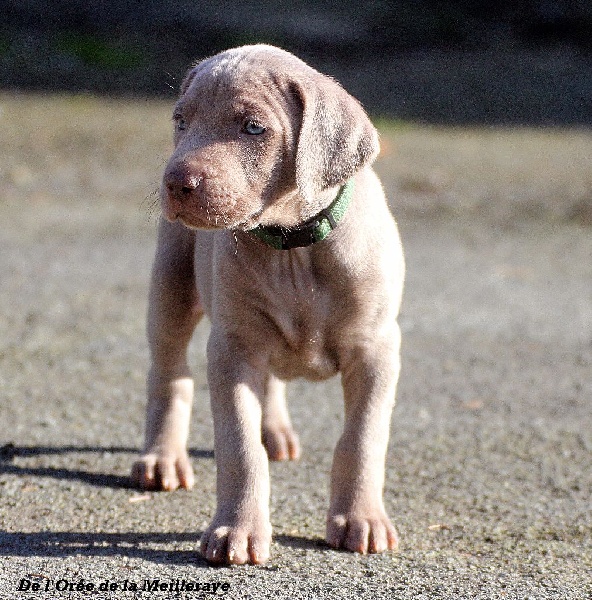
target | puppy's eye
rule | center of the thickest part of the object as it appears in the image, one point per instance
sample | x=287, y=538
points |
x=180, y=123
x=253, y=128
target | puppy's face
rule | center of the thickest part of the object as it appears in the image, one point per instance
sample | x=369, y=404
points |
x=234, y=148
x=259, y=135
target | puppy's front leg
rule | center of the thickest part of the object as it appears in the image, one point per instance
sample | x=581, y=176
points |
x=357, y=519
x=174, y=310
x=241, y=530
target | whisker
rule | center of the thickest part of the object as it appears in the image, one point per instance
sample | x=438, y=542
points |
x=151, y=205
x=173, y=78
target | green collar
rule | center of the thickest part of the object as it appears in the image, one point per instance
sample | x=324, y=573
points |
x=314, y=230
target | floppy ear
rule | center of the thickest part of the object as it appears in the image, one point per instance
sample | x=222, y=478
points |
x=336, y=136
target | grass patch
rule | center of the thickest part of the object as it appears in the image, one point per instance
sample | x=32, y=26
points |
x=96, y=52
x=81, y=146
x=388, y=125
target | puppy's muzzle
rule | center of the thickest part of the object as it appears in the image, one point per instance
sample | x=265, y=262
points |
x=180, y=183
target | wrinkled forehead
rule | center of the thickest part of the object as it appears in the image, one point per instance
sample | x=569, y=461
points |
x=251, y=62
x=255, y=72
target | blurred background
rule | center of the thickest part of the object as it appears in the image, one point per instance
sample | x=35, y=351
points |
x=458, y=62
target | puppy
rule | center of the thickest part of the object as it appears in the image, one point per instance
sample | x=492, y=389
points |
x=276, y=228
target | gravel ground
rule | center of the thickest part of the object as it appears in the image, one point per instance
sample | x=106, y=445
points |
x=488, y=477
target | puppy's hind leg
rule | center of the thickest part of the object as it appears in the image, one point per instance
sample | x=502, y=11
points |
x=174, y=310
x=279, y=438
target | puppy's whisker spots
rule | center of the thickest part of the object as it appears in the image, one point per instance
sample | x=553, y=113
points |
x=151, y=205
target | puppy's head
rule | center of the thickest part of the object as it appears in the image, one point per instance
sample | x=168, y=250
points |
x=259, y=135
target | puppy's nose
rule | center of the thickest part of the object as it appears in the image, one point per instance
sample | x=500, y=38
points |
x=181, y=181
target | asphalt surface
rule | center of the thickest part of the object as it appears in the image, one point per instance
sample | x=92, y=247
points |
x=489, y=475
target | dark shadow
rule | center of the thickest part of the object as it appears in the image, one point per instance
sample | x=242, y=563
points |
x=131, y=544
x=95, y=479
x=9, y=451
x=62, y=544
x=302, y=543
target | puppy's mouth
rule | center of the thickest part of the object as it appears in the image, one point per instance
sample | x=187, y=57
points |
x=205, y=212
x=215, y=221
x=249, y=223
x=193, y=222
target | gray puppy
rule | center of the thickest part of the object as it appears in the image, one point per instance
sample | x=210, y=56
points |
x=276, y=228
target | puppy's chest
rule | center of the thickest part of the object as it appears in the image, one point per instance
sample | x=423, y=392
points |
x=301, y=310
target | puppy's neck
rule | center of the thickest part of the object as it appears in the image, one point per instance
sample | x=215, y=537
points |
x=313, y=229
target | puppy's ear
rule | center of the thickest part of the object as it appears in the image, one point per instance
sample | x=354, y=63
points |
x=336, y=136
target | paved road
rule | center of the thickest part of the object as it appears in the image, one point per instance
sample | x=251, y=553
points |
x=488, y=478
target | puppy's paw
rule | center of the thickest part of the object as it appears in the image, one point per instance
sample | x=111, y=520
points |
x=167, y=472
x=363, y=533
x=281, y=443
x=236, y=541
